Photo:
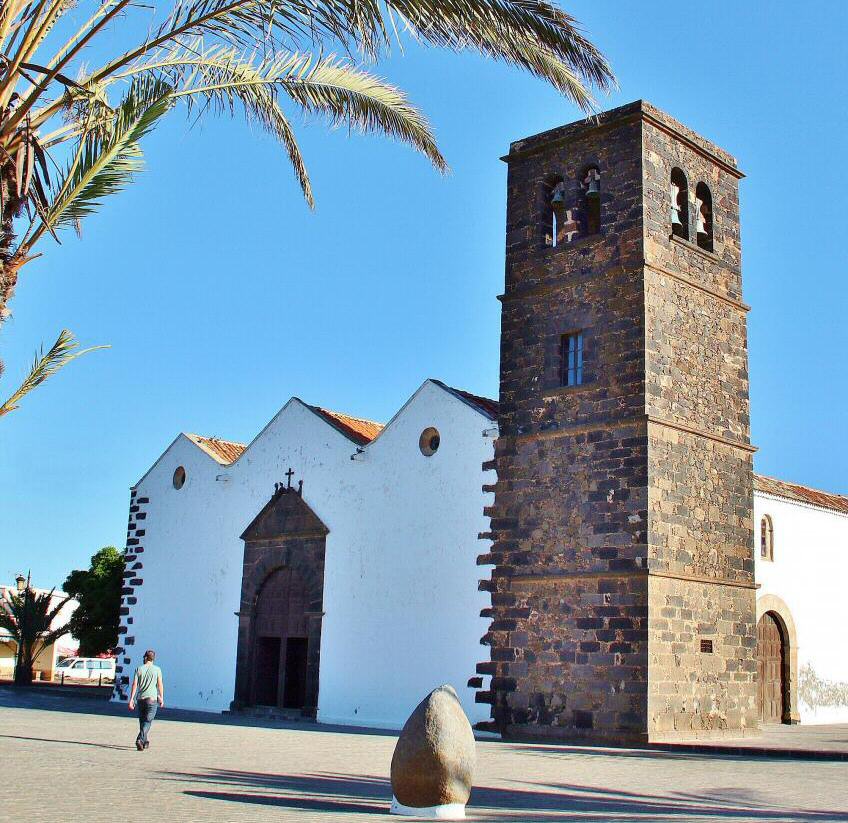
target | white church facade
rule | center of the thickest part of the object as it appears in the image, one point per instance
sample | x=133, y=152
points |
x=591, y=557
x=401, y=610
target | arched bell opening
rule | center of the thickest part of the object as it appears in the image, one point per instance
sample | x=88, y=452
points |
x=704, y=216
x=679, y=211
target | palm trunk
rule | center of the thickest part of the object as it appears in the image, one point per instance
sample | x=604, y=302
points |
x=11, y=207
x=23, y=672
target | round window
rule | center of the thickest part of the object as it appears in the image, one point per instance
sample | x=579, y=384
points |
x=179, y=477
x=429, y=441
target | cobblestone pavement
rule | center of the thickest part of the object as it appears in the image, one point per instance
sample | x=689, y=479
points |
x=73, y=760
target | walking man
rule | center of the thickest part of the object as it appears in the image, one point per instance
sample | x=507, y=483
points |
x=147, y=688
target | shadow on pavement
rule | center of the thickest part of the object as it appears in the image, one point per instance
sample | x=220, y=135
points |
x=556, y=802
x=105, y=708
x=73, y=742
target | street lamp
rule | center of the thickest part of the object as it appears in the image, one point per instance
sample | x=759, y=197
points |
x=23, y=587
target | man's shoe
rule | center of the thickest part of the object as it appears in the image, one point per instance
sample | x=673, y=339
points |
x=146, y=744
x=139, y=745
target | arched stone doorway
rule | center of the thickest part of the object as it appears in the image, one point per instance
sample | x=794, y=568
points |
x=282, y=598
x=777, y=662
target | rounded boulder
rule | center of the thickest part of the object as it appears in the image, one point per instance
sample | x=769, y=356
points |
x=434, y=759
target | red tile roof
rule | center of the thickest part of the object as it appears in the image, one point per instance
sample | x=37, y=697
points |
x=359, y=430
x=482, y=404
x=801, y=494
x=222, y=451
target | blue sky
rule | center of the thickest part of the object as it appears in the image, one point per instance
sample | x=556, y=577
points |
x=222, y=295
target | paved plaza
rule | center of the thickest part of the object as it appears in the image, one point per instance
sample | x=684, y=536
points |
x=73, y=760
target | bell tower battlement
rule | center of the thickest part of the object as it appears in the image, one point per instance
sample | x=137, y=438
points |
x=622, y=588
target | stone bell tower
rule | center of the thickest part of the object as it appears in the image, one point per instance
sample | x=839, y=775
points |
x=623, y=603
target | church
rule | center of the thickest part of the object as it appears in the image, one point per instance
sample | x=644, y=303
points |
x=589, y=557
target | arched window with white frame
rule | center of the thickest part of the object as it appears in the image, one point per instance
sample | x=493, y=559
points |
x=766, y=538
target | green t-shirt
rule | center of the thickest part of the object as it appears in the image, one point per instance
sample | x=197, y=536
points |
x=147, y=676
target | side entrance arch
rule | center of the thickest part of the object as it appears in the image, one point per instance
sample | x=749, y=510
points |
x=777, y=662
x=281, y=611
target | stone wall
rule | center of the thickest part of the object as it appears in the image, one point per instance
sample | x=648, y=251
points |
x=695, y=693
x=130, y=591
x=702, y=636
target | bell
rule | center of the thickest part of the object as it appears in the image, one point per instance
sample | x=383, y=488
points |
x=594, y=189
x=701, y=223
x=558, y=194
x=675, y=216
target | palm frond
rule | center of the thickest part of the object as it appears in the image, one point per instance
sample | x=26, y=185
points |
x=109, y=158
x=532, y=34
x=349, y=95
x=63, y=351
x=220, y=77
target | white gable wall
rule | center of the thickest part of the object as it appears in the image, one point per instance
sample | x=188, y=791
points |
x=401, y=576
x=400, y=593
x=808, y=573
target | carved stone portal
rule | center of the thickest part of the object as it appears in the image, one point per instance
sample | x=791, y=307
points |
x=282, y=595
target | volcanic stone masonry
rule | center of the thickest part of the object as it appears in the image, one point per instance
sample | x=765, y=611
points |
x=133, y=581
x=623, y=600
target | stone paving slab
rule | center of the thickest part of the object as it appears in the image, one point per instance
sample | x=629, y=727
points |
x=74, y=761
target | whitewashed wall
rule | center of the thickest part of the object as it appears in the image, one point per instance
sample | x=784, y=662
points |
x=400, y=591
x=808, y=573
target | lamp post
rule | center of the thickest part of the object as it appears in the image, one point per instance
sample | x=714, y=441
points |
x=23, y=586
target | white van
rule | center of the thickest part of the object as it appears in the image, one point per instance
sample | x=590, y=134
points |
x=88, y=669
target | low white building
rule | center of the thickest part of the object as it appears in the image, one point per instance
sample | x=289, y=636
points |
x=801, y=564
x=392, y=518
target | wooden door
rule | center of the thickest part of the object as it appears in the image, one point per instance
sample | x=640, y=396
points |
x=267, y=676
x=770, y=667
x=295, y=682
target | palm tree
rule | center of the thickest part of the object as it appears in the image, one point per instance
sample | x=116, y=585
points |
x=227, y=56
x=28, y=618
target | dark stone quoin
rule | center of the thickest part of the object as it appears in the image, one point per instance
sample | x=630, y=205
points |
x=622, y=519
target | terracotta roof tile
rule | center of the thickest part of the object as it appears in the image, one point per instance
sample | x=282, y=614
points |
x=359, y=430
x=222, y=451
x=802, y=494
x=482, y=404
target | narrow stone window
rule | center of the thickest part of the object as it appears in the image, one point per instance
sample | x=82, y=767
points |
x=429, y=441
x=592, y=200
x=766, y=538
x=704, y=216
x=179, y=477
x=571, y=359
x=679, y=204
x=707, y=646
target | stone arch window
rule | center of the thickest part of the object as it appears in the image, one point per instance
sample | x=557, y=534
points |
x=553, y=211
x=679, y=213
x=590, y=182
x=766, y=538
x=704, y=216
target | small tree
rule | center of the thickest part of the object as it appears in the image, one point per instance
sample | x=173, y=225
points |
x=28, y=617
x=98, y=591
